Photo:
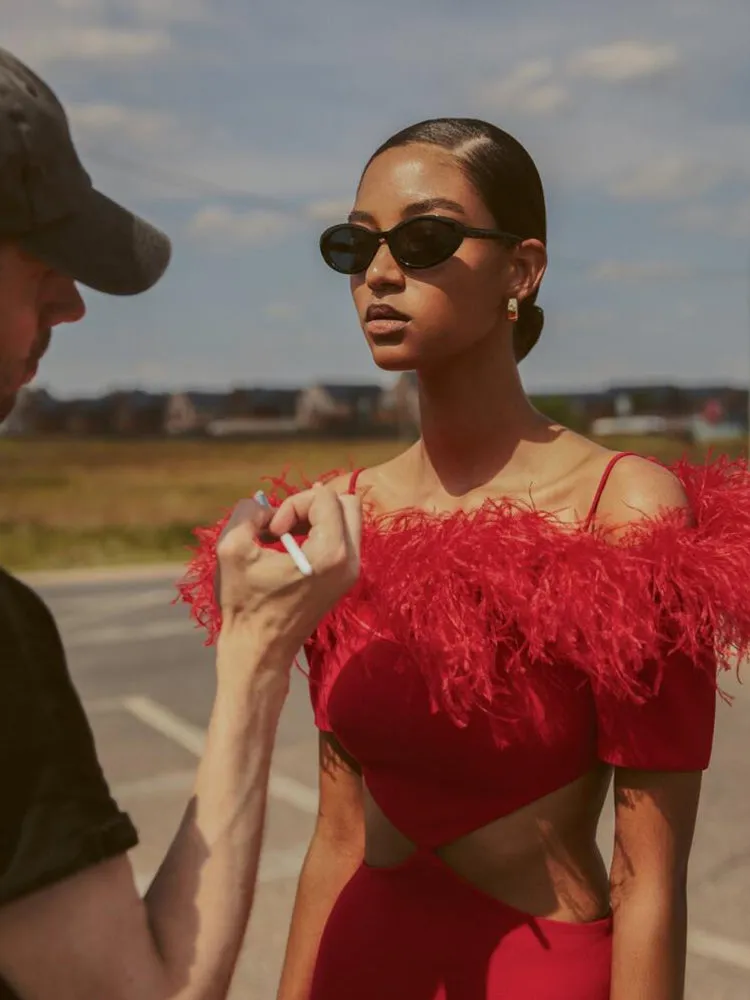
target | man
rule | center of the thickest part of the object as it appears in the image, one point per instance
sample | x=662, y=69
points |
x=72, y=925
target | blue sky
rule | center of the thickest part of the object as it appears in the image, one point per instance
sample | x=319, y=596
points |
x=242, y=128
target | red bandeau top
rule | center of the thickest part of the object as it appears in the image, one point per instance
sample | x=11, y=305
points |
x=486, y=659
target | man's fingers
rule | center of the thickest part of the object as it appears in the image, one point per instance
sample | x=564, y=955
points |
x=335, y=524
x=246, y=522
x=292, y=512
x=317, y=506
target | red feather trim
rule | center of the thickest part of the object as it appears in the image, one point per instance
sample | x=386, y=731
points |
x=453, y=589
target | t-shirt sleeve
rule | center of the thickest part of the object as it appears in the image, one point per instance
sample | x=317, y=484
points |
x=672, y=729
x=58, y=816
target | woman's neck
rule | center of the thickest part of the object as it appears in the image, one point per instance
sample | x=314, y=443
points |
x=476, y=419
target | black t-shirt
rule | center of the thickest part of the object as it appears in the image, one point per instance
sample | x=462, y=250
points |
x=57, y=816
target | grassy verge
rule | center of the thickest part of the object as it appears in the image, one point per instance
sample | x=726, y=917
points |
x=89, y=503
x=86, y=503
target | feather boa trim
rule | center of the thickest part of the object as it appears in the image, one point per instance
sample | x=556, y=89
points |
x=455, y=589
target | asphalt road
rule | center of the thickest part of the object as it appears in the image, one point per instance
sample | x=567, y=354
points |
x=147, y=683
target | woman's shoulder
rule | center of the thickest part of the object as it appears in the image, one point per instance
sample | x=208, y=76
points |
x=379, y=484
x=632, y=488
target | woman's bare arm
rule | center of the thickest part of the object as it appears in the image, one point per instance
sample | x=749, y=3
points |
x=335, y=853
x=655, y=822
x=655, y=811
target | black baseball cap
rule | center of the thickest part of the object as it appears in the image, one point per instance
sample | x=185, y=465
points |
x=48, y=204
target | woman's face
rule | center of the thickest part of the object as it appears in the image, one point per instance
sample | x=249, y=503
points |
x=449, y=307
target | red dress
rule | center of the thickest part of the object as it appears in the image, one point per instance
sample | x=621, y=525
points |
x=482, y=661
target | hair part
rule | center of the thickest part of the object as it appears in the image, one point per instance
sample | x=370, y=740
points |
x=508, y=182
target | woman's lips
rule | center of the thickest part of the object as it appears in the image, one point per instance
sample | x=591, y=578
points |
x=382, y=320
x=386, y=327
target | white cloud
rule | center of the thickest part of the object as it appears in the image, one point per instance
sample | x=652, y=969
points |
x=538, y=87
x=732, y=219
x=266, y=172
x=620, y=62
x=130, y=125
x=655, y=270
x=141, y=10
x=75, y=6
x=170, y=10
x=670, y=177
x=330, y=211
x=168, y=157
x=225, y=229
x=99, y=44
x=530, y=89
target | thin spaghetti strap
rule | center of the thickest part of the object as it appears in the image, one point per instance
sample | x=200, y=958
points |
x=602, y=483
x=353, y=480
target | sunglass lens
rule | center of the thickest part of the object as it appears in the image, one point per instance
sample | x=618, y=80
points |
x=425, y=242
x=348, y=249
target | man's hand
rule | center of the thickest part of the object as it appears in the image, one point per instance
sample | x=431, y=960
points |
x=262, y=590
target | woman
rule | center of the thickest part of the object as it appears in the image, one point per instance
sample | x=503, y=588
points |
x=534, y=614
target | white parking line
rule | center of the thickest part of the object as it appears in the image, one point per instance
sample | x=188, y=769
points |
x=192, y=738
x=294, y=793
x=163, y=720
x=105, y=575
x=720, y=949
x=95, y=609
x=117, y=635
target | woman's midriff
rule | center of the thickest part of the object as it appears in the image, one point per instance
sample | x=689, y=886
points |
x=542, y=859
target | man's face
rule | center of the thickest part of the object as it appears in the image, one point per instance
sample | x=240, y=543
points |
x=34, y=298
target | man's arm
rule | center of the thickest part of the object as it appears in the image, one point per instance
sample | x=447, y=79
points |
x=91, y=936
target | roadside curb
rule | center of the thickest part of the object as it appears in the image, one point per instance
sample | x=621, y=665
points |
x=103, y=574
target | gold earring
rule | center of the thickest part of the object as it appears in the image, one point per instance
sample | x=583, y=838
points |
x=513, y=310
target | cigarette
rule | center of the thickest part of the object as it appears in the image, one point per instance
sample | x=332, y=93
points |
x=297, y=555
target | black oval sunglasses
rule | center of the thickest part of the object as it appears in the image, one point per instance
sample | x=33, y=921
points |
x=421, y=242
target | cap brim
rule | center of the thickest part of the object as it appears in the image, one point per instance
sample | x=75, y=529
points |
x=105, y=247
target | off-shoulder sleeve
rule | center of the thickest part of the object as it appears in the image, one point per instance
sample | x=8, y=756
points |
x=671, y=728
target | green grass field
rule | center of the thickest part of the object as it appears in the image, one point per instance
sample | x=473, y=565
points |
x=66, y=503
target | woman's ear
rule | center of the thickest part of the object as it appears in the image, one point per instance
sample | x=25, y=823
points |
x=529, y=265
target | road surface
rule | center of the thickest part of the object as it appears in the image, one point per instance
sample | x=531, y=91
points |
x=147, y=683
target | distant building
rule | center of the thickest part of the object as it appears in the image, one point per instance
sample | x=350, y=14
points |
x=24, y=418
x=707, y=412
x=257, y=413
x=135, y=413
x=703, y=413
x=340, y=408
x=187, y=413
x=400, y=405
